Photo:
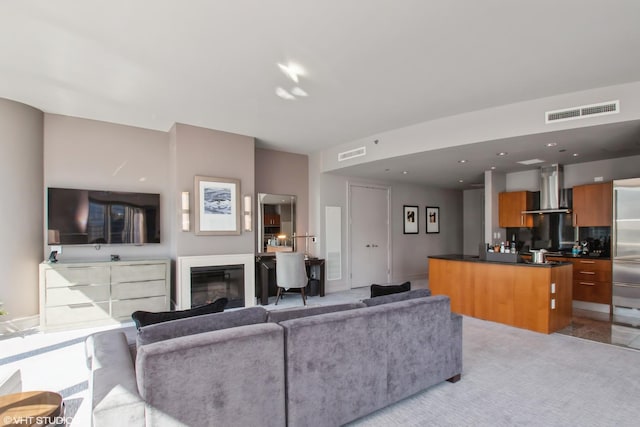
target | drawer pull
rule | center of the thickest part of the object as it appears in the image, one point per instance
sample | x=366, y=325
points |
x=587, y=272
x=81, y=305
x=587, y=283
x=587, y=262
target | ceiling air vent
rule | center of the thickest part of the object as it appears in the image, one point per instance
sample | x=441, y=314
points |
x=584, y=111
x=351, y=154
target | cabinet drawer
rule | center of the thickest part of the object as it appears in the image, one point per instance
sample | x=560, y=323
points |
x=65, y=276
x=581, y=273
x=124, y=308
x=77, y=294
x=138, y=272
x=592, y=291
x=77, y=313
x=592, y=265
x=138, y=289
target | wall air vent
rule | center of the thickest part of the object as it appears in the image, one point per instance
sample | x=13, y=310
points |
x=582, y=112
x=351, y=154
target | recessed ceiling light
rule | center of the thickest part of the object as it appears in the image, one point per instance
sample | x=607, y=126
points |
x=461, y=180
x=297, y=91
x=502, y=153
x=551, y=144
x=282, y=93
x=575, y=154
x=462, y=161
x=405, y=172
x=493, y=168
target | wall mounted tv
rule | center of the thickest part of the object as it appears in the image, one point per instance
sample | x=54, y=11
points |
x=88, y=217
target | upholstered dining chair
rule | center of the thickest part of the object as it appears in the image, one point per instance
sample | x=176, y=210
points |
x=291, y=273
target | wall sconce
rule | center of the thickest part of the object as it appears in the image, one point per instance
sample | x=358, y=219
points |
x=248, y=209
x=185, y=211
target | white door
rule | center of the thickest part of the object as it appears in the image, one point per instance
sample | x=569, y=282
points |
x=369, y=236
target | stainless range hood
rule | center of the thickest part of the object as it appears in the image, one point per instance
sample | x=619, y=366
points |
x=553, y=198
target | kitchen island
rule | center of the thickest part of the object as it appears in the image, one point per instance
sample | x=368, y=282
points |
x=537, y=297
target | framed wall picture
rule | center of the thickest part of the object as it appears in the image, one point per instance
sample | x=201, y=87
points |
x=410, y=215
x=433, y=219
x=217, y=203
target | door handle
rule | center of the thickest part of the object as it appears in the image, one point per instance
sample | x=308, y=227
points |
x=367, y=246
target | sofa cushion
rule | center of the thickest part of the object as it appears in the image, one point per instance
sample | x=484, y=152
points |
x=195, y=325
x=416, y=293
x=146, y=318
x=380, y=290
x=276, y=316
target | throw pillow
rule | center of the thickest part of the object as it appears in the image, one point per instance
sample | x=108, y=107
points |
x=401, y=296
x=380, y=290
x=145, y=318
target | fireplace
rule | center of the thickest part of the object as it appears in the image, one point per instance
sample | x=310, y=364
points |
x=203, y=279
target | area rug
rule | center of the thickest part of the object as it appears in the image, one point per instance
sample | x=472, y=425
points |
x=515, y=377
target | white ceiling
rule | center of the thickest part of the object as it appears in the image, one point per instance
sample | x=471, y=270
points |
x=369, y=65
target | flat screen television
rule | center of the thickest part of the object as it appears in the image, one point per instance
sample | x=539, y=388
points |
x=90, y=217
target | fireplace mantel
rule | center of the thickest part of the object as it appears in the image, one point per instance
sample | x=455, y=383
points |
x=183, y=276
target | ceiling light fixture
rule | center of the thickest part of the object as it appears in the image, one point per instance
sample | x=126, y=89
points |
x=461, y=180
x=462, y=161
x=282, y=93
x=297, y=91
x=551, y=144
x=405, y=172
x=493, y=168
x=292, y=71
x=575, y=154
x=502, y=153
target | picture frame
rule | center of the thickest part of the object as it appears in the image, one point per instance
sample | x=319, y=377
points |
x=410, y=219
x=217, y=205
x=432, y=219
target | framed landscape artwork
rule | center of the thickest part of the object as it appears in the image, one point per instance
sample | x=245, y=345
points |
x=217, y=204
x=433, y=219
x=410, y=215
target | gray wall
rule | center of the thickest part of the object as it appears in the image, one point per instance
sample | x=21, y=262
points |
x=278, y=172
x=89, y=154
x=216, y=154
x=21, y=148
x=473, y=221
x=409, y=251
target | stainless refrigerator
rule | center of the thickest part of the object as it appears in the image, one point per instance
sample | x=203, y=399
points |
x=626, y=247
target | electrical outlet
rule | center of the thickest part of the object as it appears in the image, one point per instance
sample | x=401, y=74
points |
x=553, y=304
x=553, y=288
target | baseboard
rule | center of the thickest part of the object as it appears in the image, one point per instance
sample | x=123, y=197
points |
x=19, y=325
x=592, y=306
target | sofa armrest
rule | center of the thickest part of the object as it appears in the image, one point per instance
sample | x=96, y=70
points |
x=115, y=397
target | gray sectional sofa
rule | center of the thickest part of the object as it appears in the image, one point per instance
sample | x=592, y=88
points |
x=315, y=366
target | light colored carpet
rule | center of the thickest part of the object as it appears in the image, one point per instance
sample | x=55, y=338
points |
x=514, y=377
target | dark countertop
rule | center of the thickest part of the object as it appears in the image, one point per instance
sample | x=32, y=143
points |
x=569, y=255
x=470, y=258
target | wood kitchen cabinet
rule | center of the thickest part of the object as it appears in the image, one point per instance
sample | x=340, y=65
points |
x=510, y=207
x=272, y=220
x=591, y=279
x=592, y=205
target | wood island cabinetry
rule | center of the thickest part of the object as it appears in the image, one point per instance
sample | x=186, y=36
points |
x=528, y=296
x=510, y=207
x=592, y=205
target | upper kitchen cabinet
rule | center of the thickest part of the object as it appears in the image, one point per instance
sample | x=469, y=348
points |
x=511, y=205
x=592, y=205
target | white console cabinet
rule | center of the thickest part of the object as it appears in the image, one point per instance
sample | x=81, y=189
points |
x=82, y=294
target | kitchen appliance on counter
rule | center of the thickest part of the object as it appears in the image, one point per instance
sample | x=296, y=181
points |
x=626, y=247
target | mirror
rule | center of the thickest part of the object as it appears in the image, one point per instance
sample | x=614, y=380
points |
x=276, y=223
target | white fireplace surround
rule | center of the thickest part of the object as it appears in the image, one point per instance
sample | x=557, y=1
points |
x=185, y=263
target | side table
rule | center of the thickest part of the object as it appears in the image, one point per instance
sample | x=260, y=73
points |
x=31, y=408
